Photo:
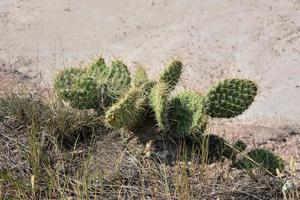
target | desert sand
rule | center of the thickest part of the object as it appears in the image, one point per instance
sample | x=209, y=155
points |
x=258, y=40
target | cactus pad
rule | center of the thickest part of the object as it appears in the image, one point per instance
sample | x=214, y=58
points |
x=83, y=93
x=159, y=103
x=118, y=76
x=140, y=77
x=186, y=115
x=129, y=110
x=95, y=87
x=261, y=158
x=65, y=80
x=229, y=98
x=98, y=68
x=171, y=74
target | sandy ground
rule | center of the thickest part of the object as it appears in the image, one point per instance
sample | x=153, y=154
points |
x=259, y=40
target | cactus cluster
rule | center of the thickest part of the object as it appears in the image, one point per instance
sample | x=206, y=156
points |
x=126, y=103
x=187, y=113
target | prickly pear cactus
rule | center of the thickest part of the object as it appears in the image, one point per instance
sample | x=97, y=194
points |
x=65, y=80
x=82, y=90
x=186, y=114
x=159, y=103
x=171, y=74
x=95, y=87
x=83, y=93
x=261, y=158
x=119, y=75
x=229, y=98
x=98, y=68
x=140, y=77
x=130, y=110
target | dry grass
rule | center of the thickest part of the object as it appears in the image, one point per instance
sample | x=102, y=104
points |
x=50, y=151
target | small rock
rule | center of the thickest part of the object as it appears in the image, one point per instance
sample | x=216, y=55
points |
x=288, y=187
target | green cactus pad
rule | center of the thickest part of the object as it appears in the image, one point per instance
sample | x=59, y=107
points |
x=171, y=74
x=229, y=98
x=186, y=115
x=119, y=75
x=118, y=80
x=83, y=93
x=140, y=77
x=159, y=103
x=261, y=158
x=95, y=87
x=129, y=110
x=65, y=80
x=98, y=68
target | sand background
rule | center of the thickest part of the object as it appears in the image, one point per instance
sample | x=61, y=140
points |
x=259, y=40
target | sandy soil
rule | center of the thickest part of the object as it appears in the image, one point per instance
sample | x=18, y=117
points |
x=259, y=40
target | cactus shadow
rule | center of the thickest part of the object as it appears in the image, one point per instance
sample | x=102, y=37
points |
x=208, y=149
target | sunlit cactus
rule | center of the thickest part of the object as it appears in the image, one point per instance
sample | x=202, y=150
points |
x=140, y=77
x=65, y=80
x=119, y=75
x=95, y=87
x=159, y=103
x=229, y=98
x=129, y=110
x=261, y=158
x=83, y=93
x=186, y=114
x=118, y=80
x=98, y=68
x=171, y=74
x=99, y=87
x=79, y=89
